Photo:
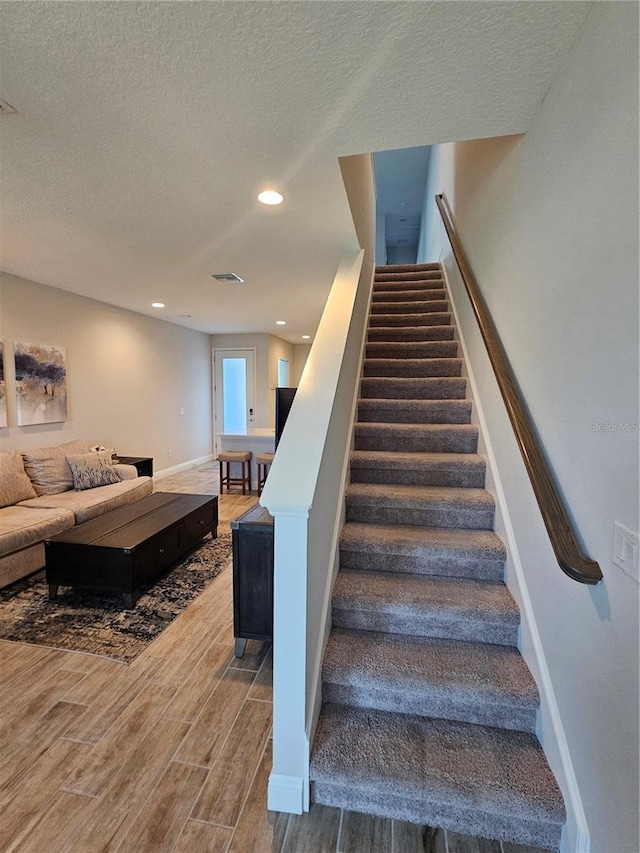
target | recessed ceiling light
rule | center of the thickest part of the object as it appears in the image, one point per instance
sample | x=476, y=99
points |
x=306, y=337
x=281, y=322
x=157, y=304
x=270, y=197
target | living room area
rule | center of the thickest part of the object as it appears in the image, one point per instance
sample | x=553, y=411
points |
x=143, y=388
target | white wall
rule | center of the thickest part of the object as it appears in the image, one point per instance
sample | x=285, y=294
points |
x=550, y=224
x=277, y=349
x=300, y=356
x=381, y=239
x=128, y=375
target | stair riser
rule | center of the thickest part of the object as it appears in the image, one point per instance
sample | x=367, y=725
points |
x=452, y=388
x=382, y=269
x=434, y=318
x=399, y=412
x=430, y=703
x=458, y=477
x=430, y=349
x=433, y=623
x=419, y=334
x=416, y=275
x=445, y=442
x=412, y=368
x=432, y=566
x=425, y=295
x=412, y=288
x=408, y=309
x=466, y=519
x=427, y=811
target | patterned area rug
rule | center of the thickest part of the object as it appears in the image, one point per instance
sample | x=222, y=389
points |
x=85, y=621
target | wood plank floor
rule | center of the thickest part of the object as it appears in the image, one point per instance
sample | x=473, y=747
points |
x=170, y=753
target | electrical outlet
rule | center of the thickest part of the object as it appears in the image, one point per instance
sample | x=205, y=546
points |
x=181, y=411
x=626, y=549
x=169, y=454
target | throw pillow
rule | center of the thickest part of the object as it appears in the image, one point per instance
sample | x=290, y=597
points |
x=90, y=470
x=15, y=486
x=47, y=467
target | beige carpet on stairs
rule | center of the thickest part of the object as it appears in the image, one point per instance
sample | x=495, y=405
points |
x=429, y=709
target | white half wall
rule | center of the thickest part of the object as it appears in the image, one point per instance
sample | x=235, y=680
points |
x=129, y=375
x=549, y=221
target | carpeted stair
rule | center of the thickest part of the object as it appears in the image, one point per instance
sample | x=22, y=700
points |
x=429, y=710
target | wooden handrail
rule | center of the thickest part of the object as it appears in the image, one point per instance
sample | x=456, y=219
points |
x=563, y=538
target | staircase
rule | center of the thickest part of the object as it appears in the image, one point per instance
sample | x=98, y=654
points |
x=429, y=710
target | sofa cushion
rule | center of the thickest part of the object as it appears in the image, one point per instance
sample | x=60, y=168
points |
x=21, y=527
x=90, y=470
x=93, y=502
x=15, y=486
x=125, y=472
x=47, y=467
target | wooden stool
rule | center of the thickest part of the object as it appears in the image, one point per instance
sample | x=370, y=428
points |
x=229, y=456
x=263, y=461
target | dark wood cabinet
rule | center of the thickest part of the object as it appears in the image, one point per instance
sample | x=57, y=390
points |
x=252, y=535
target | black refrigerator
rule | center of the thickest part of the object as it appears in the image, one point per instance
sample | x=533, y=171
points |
x=284, y=400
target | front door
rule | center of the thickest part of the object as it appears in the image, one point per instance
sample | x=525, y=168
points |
x=234, y=392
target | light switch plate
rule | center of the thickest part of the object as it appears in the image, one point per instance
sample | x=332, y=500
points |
x=626, y=549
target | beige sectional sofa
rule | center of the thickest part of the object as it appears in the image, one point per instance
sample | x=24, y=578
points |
x=50, y=489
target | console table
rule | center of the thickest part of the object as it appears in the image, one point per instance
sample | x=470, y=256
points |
x=252, y=535
x=126, y=548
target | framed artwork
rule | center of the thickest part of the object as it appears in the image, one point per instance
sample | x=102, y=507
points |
x=3, y=395
x=41, y=384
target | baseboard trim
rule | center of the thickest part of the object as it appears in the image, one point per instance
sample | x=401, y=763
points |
x=285, y=793
x=183, y=466
x=582, y=840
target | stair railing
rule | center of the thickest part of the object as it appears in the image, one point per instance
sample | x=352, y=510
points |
x=564, y=540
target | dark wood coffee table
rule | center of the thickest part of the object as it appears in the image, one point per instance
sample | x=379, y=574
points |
x=126, y=548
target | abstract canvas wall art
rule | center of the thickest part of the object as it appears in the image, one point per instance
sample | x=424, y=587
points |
x=41, y=384
x=3, y=396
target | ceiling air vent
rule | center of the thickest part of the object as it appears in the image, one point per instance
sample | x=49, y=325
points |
x=227, y=276
x=6, y=108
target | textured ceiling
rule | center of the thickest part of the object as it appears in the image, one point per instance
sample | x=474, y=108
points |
x=145, y=130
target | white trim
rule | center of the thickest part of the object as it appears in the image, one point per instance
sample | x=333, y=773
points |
x=547, y=693
x=183, y=466
x=285, y=793
x=315, y=703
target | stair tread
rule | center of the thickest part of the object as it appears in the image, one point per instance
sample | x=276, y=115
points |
x=410, y=349
x=387, y=494
x=412, y=307
x=410, y=540
x=407, y=333
x=477, y=672
x=429, y=318
x=399, y=459
x=413, y=387
x=472, y=429
x=417, y=412
x=495, y=771
x=393, y=592
x=412, y=368
x=403, y=362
